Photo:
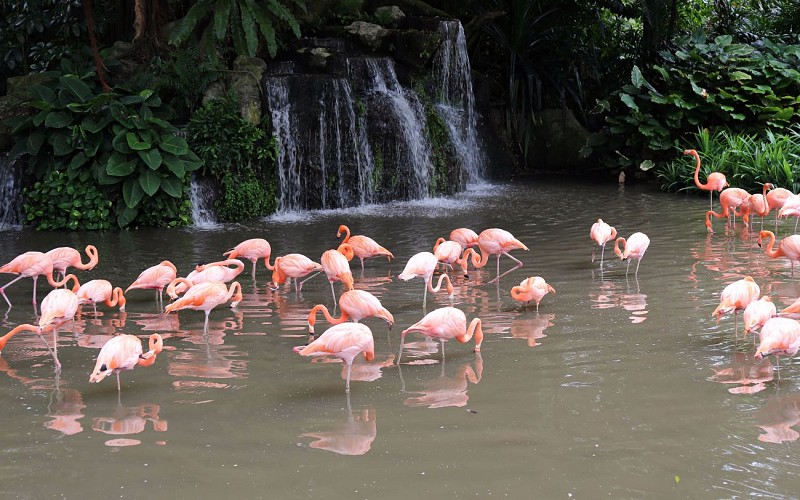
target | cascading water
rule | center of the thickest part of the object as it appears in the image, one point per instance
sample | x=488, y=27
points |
x=11, y=215
x=202, y=195
x=456, y=104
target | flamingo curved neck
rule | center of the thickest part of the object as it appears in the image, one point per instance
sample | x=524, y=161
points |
x=770, y=244
x=475, y=330
x=236, y=288
x=438, y=287
x=312, y=316
x=697, y=169
x=617, y=251
x=21, y=328
x=346, y=230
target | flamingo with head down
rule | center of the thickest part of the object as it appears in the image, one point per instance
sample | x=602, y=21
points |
x=294, y=265
x=155, y=278
x=124, y=352
x=495, y=241
x=355, y=305
x=532, y=289
x=601, y=233
x=364, y=247
x=252, y=250
x=789, y=247
x=206, y=296
x=345, y=341
x=446, y=323
x=31, y=265
x=730, y=199
x=635, y=247
x=423, y=265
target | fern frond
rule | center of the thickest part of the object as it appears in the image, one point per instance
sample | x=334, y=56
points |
x=267, y=29
x=283, y=13
x=239, y=44
x=221, y=14
x=249, y=27
x=197, y=12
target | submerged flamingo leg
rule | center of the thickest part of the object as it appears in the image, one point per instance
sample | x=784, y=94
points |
x=519, y=264
x=301, y=283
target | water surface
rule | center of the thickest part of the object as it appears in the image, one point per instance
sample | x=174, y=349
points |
x=619, y=386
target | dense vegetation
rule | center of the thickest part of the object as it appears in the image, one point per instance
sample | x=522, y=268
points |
x=649, y=79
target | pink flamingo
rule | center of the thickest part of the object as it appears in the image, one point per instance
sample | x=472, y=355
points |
x=64, y=257
x=206, y=296
x=779, y=337
x=95, y=291
x=345, y=341
x=776, y=199
x=58, y=307
x=30, y=265
x=635, y=247
x=532, y=289
x=498, y=242
x=736, y=297
x=155, y=278
x=355, y=305
x=214, y=271
x=465, y=237
x=791, y=208
x=252, y=250
x=337, y=268
x=446, y=323
x=789, y=247
x=730, y=200
x=601, y=233
x=450, y=252
x=714, y=182
x=364, y=247
x=124, y=352
x=757, y=313
x=293, y=265
x=757, y=203
x=424, y=264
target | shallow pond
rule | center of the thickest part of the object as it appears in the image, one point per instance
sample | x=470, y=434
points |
x=619, y=386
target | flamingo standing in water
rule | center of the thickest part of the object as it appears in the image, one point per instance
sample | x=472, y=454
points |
x=465, y=237
x=714, y=182
x=450, y=252
x=635, y=247
x=293, y=265
x=730, y=200
x=252, y=250
x=124, y=352
x=155, y=278
x=445, y=323
x=58, y=307
x=532, y=289
x=601, y=233
x=424, y=264
x=64, y=257
x=355, y=305
x=757, y=313
x=206, y=296
x=757, y=203
x=364, y=247
x=214, y=271
x=736, y=297
x=31, y=265
x=345, y=341
x=789, y=247
x=95, y=291
x=498, y=242
x=337, y=268
x=791, y=208
x=776, y=198
x=779, y=337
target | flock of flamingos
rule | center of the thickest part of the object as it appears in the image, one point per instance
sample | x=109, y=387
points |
x=206, y=286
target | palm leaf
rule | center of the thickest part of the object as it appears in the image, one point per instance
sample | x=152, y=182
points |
x=267, y=29
x=239, y=44
x=221, y=13
x=283, y=13
x=249, y=27
x=187, y=25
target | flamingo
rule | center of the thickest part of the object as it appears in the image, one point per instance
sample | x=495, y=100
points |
x=533, y=288
x=206, y=296
x=424, y=264
x=601, y=233
x=252, y=250
x=214, y=271
x=714, y=182
x=730, y=199
x=757, y=313
x=293, y=265
x=779, y=337
x=95, y=291
x=364, y=247
x=31, y=265
x=155, y=278
x=736, y=297
x=355, y=305
x=635, y=247
x=337, y=268
x=58, y=307
x=345, y=341
x=446, y=323
x=776, y=199
x=465, y=237
x=124, y=352
x=64, y=257
x=758, y=204
x=791, y=208
x=450, y=252
x=789, y=247
x=498, y=242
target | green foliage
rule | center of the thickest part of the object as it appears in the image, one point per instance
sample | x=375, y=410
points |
x=58, y=202
x=701, y=83
x=166, y=211
x=747, y=160
x=244, y=23
x=120, y=140
x=238, y=153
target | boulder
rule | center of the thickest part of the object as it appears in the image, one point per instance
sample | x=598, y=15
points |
x=369, y=34
x=246, y=83
x=389, y=15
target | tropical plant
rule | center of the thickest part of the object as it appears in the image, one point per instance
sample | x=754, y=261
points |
x=246, y=22
x=60, y=202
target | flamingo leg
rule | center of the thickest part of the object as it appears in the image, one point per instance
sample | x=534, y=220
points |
x=2, y=290
x=301, y=283
x=205, y=324
x=628, y=268
x=254, y=270
x=333, y=292
x=55, y=358
x=639, y=261
x=425, y=294
x=34, y=290
x=347, y=383
x=519, y=264
x=602, y=252
x=442, y=342
x=119, y=388
x=55, y=348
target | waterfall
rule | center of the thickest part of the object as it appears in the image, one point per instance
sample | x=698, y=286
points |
x=11, y=215
x=288, y=169
x=202, y=198
x=456, y=101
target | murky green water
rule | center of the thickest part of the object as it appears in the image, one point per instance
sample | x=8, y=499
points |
x=609, y=391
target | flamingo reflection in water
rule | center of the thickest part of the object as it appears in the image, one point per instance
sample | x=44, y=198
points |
x=748, y=373
x=778, y=417
x=129, y=420
x=532, y=329
x=352, y=437
x=445, y=391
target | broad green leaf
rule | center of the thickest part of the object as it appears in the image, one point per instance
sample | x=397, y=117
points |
x=636, y=77
x=737, y=116
x=125, y=214
x=740, y=75
x=132, y=192
x=151, y=157
x=121, y=165
x=628, y=100
x=78, y=161
x=172, y=186
x=175, y=165
x=58, y=119
x=35, y=141
x=150, y=181
x=121, y=114
x=62, y=144
x=646, y=165
x=249, y=28
x=137, y=144
x=77, y=87
x=222, y=11
x=120, y=143
x=174, y=144
x=131, y=99
x=42, y=93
